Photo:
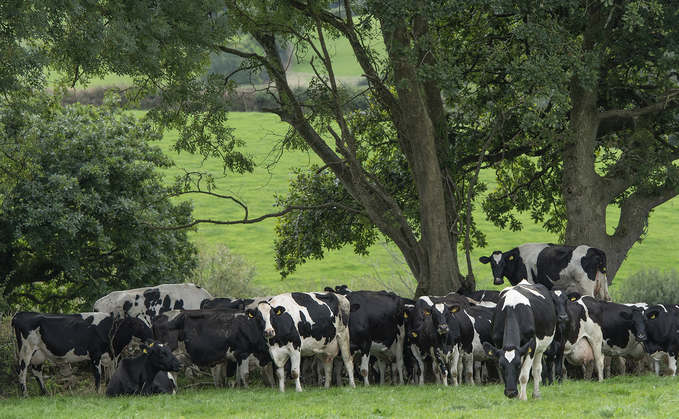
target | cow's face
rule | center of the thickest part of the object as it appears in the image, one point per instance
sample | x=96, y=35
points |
x=638, y=322
x=560, y=300
x=161, y=356
x=497, y=261
x=262, y=316
x=438, y=317
x=510, y=361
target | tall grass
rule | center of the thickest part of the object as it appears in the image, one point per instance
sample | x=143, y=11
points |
x=630, y=396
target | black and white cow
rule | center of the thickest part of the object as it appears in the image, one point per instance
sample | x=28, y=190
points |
x=439, y=336
x=662, y=331
x=581, y=268
x=476, y=320
x=136, y=375
x=147, y=303
x=207, y=338
x=624, y=331
x=580, y=337
x=415, y=319
x=377, y=328
x=523, y=328
x=305, y=324
x=69, y=338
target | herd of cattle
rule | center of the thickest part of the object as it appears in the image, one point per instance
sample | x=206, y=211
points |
x=558, y=308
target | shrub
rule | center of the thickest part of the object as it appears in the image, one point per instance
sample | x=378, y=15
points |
x=224, y=273
x=649, y=286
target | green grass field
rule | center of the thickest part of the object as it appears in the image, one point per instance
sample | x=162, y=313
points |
x=619, y=397
x=255, y=242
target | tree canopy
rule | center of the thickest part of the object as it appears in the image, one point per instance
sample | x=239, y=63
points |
x=81, y=223
x=571, y=102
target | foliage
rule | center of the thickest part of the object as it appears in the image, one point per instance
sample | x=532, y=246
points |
x=650, y=286
x=224, y=273
x=84, y=223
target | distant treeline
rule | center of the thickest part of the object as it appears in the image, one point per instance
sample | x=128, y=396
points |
x=244, y=101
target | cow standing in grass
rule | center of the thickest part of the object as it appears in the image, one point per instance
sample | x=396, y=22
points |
x=523, y=328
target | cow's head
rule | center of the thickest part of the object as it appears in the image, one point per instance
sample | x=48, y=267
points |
x=510, y=361
x=126, y=331
x=262, y=315
x=438, y=317
x=637, y=322
x=498, y=261
x=160, y=356
x=560, y=300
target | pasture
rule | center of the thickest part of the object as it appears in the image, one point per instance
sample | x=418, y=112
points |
x=619, y=397
x=255, y=241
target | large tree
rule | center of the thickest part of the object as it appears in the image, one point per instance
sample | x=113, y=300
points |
x=79, y=225
x=534, y=90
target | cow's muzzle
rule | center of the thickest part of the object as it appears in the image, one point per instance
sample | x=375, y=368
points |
x=269, y=333
x=641, y=337
x=443, y=329
x=499, y=281
x=563, y=318
x=511, y=393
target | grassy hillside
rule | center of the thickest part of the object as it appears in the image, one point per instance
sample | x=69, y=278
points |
x=255, y=241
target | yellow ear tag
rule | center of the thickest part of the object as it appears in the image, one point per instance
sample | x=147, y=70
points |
x=426, y=312
x=529, y=350
x=250, y=314
x=455, y=309
x=604, y=269
x=511, y=257
x=278, y=313
x=145, y=351
x=573, y=299
x=490, y=352
x=405, y=315
x=151, y=345
x=653, y=317
x=414, y=334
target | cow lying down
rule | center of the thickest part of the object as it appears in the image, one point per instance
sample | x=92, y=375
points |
x=136, y=375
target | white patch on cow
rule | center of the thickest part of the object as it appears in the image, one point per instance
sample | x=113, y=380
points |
x=529, y=255
x=427, y=300
x=440, y=307
x=497, y=257
x=513, y=298
x=114, y=302
x=558, y=293
x=510, y=355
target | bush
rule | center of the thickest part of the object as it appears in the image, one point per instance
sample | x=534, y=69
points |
x=8, y=375
x=649, y=286
x=225, y=274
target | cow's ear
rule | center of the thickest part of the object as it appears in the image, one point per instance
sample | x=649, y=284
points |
x=511, y=257
x=574, y=296
x=426, y=312
x=279, y=310
x=652, y=314
x=354, y=307
x=250, y=313
x=527, y=348
x=625, y=315
x=484, y=259
x=144, y=348
x=491, y=350
x=454, y=308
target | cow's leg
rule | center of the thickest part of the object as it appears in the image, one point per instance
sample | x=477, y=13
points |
x=36, y=370
x=337, y=366
x=343, y=342
x=607, y=367
x=468, y=366
x=244, y=370
x=96, y=369
x=295, y=359
x=365, y=368
x=524, y=374
x=439, y=368
x=217, y=375
x=382, y=365
x=327, y=366
x=454, y=365
x=319, y=371
x=23, y=370
x=672, y=365
x=420, y=362
x=537, y=374
x=598, y=358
